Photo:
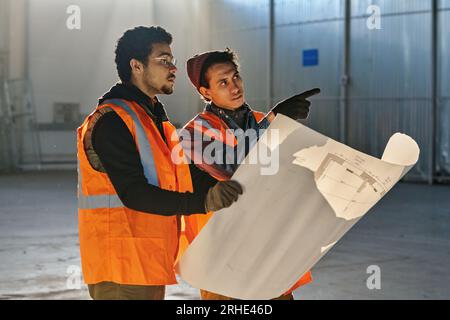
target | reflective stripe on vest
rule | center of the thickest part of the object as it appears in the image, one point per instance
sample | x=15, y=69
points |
x=239, y=134
x=214, y=131
x=148, y=163
x=205, y=123
x=98, y=201
x=145, y=151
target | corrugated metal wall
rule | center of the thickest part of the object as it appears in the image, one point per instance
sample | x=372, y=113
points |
x=244, y=27
x=306, y=25
x=74, y=66
x=5, y=160
x=443, y=136
x=390, y=70
x=190, y=31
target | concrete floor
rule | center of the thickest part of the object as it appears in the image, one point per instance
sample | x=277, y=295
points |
x=407, y=235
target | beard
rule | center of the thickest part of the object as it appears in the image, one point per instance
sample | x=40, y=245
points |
x=167, y=89
x=155, y=83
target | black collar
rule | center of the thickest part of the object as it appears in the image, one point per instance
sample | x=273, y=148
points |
x=152, y=106
x=130, y=92
x=218, y=110
x=232, y=117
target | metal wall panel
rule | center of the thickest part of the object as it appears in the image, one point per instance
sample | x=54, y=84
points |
x=5, y=162
x=4, y=32
x=443, y=133
x=298, y=11
x=390, y=69
x=444, y=4
x=359, y=7
x=372, y=123
x=390, y=88
x=234, y=15
x=244, y=27
x=301, y=25
x=291, y=77
x=190, y=32
x=75, y=66
x=393, y=61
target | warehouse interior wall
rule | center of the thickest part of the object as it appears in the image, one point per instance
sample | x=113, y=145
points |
x=74, y=67
x=374, y=81
x=443, y=132
x=4, y=159
x=188, y=23
x=391, y=86
x=301, y=26
x=12, y=66
x=243, y=26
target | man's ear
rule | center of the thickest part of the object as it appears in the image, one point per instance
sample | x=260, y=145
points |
x=205, y=92
x=136, y=66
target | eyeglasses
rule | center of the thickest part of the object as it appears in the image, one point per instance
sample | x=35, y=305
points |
x=167, y=62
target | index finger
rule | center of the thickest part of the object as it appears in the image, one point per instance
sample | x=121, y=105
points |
x=309, y=93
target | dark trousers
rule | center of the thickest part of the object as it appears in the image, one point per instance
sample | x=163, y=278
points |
x=115, y=291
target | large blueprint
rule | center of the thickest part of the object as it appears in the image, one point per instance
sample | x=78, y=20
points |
x=285, y=222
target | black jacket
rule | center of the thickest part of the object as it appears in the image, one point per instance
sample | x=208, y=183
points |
x=117, y=151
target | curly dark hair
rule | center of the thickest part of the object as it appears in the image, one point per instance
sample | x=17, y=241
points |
x=214, y=58
x=137, y=44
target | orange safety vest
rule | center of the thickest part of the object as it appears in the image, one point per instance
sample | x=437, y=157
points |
x=195, y=223
x=119, y=244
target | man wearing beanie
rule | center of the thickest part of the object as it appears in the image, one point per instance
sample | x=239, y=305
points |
x=216, y=77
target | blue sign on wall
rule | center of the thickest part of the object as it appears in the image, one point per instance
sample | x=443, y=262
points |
x=310, y=57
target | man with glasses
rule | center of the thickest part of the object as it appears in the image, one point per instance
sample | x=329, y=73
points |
x=131, y=193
